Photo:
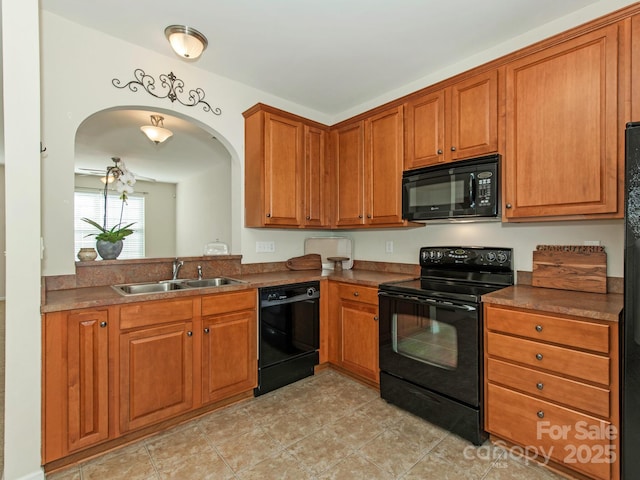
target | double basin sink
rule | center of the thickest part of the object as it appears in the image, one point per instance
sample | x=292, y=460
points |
x=172, y=285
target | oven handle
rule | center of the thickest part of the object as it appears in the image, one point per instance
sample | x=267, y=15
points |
x=430, y=301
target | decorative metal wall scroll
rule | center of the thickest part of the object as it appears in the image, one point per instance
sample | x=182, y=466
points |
x=172, y=88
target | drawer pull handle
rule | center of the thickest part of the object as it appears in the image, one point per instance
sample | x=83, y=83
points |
x=540, y=414
x=538, y=328
x=539, y=356
x=103, y=324
x=356, y=294
x=540, y=386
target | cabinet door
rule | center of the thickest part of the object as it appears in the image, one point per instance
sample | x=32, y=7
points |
x=88, y=378
x=383, y=161
x=473, y=117
x=75, y=390
x=562, y=129
x=315, y=177
x=348, y=142
x=359, y=334
x=283, y=170
x=156, y=374
x=425, y=130
x=229, y=355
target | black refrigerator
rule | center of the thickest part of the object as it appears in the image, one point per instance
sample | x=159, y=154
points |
x=630, y=333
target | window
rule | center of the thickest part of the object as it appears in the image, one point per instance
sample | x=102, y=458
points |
x=90, y=204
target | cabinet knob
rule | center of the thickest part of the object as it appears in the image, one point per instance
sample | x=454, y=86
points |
x=103, y=324
x=508, y=205
x=538, y=328
x=189, y=334
x=308, y=217
x=268, y=215
x=539, y=385
x=359, y=216
x=453, y=149
x=540, y=414
x=356, y=294
x=375, y=318
x=369, y=216
x=539, y=356
x=206, y=330
x=439, y=151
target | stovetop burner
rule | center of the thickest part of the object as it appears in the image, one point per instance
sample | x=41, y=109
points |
x=458, y=273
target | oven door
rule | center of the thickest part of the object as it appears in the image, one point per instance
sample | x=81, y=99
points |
x=432, y=343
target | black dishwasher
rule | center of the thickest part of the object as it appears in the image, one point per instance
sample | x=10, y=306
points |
x=289, y=325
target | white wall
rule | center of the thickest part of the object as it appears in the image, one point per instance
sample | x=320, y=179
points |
x=160, y=213
x=203, y=215
x=522, y=237
x=21, y=93
x=86, y=88
x=3, y=260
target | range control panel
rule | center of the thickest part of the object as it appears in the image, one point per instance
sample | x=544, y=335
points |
x=466, y=257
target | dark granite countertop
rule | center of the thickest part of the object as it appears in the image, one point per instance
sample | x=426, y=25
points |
x=86, y=297
x=582, y=304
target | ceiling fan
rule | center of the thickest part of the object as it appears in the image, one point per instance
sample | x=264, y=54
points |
x=101, y=173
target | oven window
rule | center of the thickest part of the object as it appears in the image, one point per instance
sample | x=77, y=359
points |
x=425, y=339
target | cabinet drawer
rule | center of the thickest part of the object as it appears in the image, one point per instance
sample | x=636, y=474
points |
x=579, y=441
x=574, y=394
x=150, y=313
x=358, y=293
x=549, y=328
x=229, y=302
x=564, y=361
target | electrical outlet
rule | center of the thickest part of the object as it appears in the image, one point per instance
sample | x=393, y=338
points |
x=592, y=242
x=265, y=247
x=389, y=246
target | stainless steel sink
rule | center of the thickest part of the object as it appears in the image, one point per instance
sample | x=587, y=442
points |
x=211, y=282
x=153, y=287
x=173, y=285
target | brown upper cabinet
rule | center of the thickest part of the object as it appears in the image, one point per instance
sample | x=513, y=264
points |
x=456, y=122
x=562, y=129
x=285, y=175
x=367, y=157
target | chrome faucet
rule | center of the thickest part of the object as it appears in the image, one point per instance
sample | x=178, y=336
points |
x=199, y=272
x=176, y=268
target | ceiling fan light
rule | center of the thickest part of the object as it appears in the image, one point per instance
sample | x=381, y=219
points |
x=156, y=131
x=186, y=41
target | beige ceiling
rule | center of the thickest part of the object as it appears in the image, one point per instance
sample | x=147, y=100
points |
x=328, y=55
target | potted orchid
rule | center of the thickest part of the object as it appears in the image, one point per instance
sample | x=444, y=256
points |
x=109, y=240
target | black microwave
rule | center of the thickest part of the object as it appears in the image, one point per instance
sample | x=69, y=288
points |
x=467, y=189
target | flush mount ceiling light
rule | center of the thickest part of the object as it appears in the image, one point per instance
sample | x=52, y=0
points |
x=156, y=131
x=186, y=41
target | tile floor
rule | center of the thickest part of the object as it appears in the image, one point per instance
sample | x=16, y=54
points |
x=320, y=428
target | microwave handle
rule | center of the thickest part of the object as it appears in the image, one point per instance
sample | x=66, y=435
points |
x=472, y=189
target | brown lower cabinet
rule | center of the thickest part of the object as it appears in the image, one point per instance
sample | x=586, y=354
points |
x=551, y=388
x=353, y=341
x=114, y=371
